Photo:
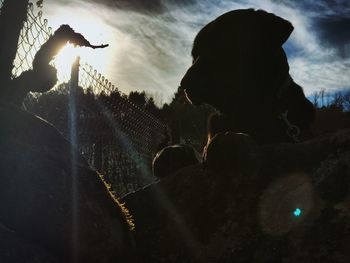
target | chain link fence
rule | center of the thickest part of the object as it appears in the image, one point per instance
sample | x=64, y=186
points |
x=117, y=137
x=34, y=33
x=123, y=131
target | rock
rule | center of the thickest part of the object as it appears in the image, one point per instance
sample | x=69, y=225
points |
x=51, y=198
x=292, y=205
x=172, y=158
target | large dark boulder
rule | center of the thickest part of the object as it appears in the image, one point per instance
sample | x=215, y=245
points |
x=291, y=205
x=51, y=199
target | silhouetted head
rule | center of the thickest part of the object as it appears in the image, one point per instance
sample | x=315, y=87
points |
x=172, y=158
x=239, y=66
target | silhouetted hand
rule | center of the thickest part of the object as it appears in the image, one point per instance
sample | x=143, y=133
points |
x=67, y=34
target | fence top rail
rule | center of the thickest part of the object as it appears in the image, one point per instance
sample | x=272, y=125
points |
x=106, y=85
x=38, y=19
x=34, y=33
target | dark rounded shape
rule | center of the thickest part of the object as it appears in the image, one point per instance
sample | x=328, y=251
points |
x=172, y=158
x=240, y=68
x=231, y=152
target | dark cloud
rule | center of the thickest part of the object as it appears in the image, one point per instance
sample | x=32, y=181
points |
x=137, y=5
x=320, y=7
x=332, y=7
x=153, y=6
x=327, y=20
x=335, y=32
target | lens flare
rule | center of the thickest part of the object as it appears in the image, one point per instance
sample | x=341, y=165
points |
x=297, y=212
x=64, y=60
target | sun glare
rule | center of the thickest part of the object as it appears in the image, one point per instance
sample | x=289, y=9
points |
x=86, y=21
x=64, y=60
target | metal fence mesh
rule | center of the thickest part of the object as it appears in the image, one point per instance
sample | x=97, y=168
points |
x=34, y=33
x=117, y=137
x=122, y=131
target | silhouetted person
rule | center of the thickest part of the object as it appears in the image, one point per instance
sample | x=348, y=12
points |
x=240, y=67
x=43, y=76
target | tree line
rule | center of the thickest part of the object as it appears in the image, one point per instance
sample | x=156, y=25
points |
x=187, y=123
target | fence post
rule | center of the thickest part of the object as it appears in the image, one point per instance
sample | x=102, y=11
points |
x=72, y=125
x=74, y=77
x=73, y=86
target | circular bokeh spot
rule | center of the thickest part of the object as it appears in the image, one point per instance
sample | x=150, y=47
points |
x=297, y=212
x=285, y=203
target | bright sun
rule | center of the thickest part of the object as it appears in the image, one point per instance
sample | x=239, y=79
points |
x=64, y=60
x=87, y=22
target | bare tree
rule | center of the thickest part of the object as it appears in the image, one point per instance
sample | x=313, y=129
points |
x=315, y=98
x=322, y=95
x=346, y=102
x=338, y=100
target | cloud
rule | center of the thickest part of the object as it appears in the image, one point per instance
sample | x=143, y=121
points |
x=151, y=45
x=332, y=34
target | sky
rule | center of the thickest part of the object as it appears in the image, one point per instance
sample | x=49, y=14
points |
x=150, y=41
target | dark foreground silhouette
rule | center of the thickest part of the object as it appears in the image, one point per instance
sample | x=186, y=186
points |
x=271, y=203
x=258, y=198
x=251, y=203
x=172, y=158
x=43, y=76
x=240, y=68
x=52, y=204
